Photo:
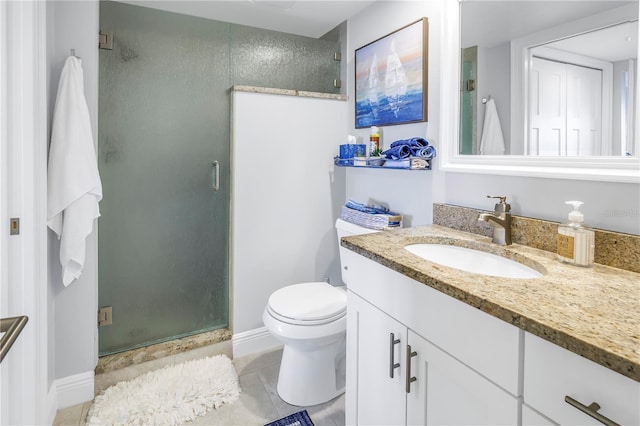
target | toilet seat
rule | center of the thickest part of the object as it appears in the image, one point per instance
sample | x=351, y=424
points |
x=312, y=303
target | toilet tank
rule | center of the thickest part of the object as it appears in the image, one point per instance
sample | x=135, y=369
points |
x=345, y=229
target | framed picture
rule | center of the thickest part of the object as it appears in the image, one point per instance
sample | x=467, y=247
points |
x=391, y=78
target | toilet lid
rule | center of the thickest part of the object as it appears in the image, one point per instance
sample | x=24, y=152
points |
x=309, y=301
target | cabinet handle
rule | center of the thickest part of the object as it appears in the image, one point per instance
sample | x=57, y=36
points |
x=392, y=363
x=591, y=410
x=409, y=378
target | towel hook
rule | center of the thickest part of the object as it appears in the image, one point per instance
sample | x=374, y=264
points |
x=73, y=53
x=485, y=100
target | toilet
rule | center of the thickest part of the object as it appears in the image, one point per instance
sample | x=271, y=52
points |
x=310, y=319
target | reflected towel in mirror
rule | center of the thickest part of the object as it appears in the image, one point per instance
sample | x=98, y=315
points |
x=492, y=142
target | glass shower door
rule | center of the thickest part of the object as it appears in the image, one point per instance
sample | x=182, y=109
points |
x=163, y=233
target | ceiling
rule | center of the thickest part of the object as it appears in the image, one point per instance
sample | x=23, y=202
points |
x=486, y=23
x=310, y=18
x=612, y=44
x=490, y=23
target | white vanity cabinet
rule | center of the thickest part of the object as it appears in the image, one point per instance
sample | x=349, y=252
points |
x=469, y=367
x=465, y=362
x=428, y=387
x=552, y=373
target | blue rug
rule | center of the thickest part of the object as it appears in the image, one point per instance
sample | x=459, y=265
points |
x=301, y=418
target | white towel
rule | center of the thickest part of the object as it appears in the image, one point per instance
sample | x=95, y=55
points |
x=74, y=187
x=492, y=142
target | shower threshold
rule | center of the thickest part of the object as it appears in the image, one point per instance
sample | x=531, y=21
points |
x=127, y=358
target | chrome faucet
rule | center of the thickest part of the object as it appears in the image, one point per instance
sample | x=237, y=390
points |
x=501, y=219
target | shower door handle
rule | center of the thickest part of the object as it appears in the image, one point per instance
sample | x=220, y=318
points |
x=216, y=176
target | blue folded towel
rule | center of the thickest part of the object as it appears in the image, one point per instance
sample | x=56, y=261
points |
x=411, y=143
x=397, y=152
x=415, y=147
x=425, y=152
x=368, y=209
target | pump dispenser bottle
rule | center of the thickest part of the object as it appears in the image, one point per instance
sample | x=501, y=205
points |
x=575, y=241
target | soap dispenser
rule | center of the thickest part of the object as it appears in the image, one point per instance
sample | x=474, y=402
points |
x=575, y=240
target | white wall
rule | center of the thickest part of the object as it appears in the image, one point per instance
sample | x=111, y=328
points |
x=618, y=69
x=494, y=79
x=75, y=25
x=405, y=192
x=284, y=205
x=610, y=206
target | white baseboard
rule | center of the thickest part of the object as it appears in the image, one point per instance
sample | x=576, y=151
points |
x=76, y=389
x=253, y=341
x=51, y=405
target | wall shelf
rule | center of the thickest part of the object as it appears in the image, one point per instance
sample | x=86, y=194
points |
x=405, y=164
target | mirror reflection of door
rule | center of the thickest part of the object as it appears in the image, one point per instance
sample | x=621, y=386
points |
x=565, y=110
x=598, y=30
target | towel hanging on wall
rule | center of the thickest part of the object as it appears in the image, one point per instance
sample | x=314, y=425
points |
x=74, y=188
x=492, y=142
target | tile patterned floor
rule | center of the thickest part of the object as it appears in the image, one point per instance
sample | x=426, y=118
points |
x=259, y=402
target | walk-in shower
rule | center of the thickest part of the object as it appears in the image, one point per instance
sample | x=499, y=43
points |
x=164, y=147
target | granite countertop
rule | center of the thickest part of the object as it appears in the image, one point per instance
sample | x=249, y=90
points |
x=593, y=312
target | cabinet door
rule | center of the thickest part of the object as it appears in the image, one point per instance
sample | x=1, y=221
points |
x=552, y=373
x=447, y=392
x=530, y=417
x=373, y=397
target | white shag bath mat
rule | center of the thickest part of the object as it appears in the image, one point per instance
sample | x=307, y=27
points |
x=170, y=396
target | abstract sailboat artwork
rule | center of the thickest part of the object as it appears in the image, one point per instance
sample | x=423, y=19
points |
x=374, y=85
x=391, y=82
x=395, y=81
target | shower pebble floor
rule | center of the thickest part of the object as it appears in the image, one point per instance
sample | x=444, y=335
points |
x=259, y=402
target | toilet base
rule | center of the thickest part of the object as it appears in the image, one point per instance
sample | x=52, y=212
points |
x=312, y=377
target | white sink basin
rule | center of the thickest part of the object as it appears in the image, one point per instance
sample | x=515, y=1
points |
x=470, y=260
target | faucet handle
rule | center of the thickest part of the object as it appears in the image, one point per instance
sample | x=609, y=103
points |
x=502, y=206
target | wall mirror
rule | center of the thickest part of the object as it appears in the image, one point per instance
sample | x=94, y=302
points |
x=543, y=88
